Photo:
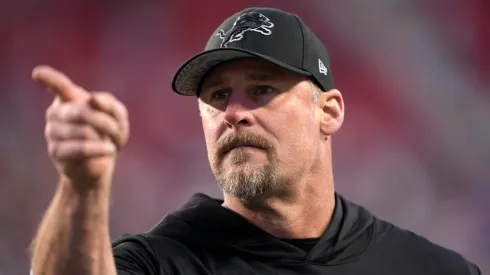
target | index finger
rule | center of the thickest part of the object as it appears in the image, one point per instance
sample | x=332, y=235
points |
x=58, y=83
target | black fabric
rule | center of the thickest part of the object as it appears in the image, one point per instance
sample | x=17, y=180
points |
x=205, y=238
x=304, y=244
x=273, y=35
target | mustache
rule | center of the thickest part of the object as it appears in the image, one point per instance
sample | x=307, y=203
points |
x=230, y=142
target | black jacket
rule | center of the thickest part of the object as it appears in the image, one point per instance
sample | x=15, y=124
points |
x=205, y=238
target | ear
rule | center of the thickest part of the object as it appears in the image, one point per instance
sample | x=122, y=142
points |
x=331, y=107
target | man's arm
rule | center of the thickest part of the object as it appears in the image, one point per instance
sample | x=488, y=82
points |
x=83, y=131
x=73, y=237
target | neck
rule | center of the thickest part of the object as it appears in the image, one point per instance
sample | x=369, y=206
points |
x=304, y=214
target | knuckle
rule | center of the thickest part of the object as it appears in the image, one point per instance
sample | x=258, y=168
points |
x=122, y=109
x=63, y=112
x=51, y=112
x=53, y=149
x=71, y=112
x=104, y=122
x=114, y=126
x=48, y=130
x=80, y=114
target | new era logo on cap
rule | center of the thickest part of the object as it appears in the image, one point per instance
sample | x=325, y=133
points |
x=322, y=69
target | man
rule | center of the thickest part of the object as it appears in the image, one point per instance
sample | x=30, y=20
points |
x=269, y=110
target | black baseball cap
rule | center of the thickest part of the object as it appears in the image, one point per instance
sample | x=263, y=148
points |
x=269, y=34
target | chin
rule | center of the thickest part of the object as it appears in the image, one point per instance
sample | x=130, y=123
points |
x=247, y=181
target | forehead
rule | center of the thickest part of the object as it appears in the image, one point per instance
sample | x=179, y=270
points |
x=247, y=68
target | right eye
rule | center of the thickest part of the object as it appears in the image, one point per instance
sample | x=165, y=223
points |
x=220, y=95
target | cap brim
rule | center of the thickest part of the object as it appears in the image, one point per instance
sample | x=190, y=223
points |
x=189, y=76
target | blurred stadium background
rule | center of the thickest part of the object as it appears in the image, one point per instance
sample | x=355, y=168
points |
x=415, y=74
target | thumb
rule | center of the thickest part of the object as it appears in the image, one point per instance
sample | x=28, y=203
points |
x=59, y=84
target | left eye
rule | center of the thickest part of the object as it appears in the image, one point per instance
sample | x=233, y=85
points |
x=262, y=90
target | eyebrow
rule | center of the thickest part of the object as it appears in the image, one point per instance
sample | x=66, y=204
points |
x=255, y=76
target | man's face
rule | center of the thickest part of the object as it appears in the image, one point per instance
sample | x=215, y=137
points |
x=261, y=127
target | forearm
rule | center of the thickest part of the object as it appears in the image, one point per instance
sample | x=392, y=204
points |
x=73, y=237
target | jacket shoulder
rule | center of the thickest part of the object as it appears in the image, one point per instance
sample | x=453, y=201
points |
x=404, y=248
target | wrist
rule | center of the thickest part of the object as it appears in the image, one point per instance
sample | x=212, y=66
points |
x=99, y=187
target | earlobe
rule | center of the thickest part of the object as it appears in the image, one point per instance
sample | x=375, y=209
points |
x=332, y=111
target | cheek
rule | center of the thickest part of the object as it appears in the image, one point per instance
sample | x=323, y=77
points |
x=210, y=118
x=298, y=132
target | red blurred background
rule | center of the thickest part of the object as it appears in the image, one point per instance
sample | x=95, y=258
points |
x=415, y=76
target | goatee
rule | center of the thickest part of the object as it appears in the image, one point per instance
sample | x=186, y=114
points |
x=239, y=179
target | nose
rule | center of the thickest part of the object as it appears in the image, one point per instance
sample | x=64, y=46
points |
x=239, y=112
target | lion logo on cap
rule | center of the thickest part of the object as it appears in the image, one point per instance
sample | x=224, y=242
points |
x=249, y=21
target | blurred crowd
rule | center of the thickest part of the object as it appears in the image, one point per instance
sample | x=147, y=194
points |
x=415, y=76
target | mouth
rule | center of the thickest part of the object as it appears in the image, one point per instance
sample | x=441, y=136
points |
x=231, y=148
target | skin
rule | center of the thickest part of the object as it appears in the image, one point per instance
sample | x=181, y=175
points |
x=84, y=131
x=256, y=104
x=258, y=126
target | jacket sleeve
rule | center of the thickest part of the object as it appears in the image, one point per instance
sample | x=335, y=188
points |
x=133, y=255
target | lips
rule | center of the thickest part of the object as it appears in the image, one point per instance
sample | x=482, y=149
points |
x=227, y=149
x=251, y=146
